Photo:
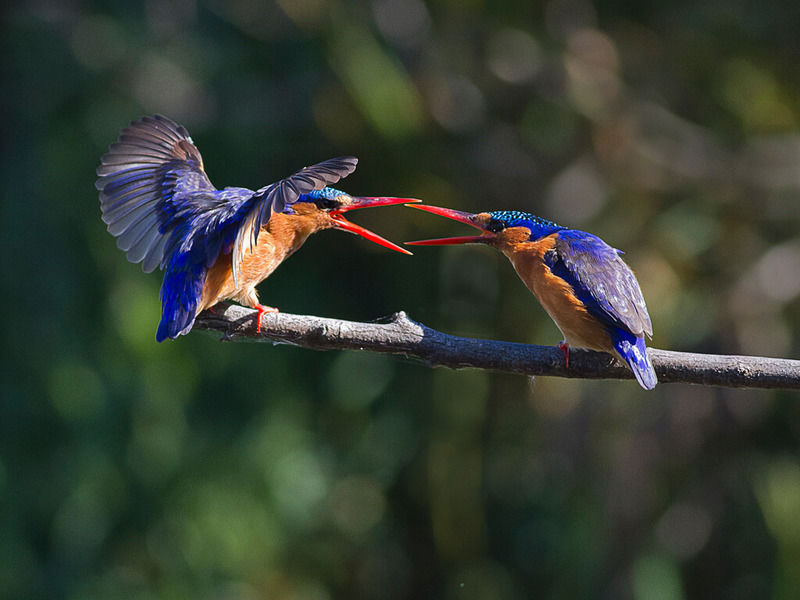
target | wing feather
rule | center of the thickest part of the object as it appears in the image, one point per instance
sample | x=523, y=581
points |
x=117, y=214
x=147, y=240
x=158, y=202
x=277, y=196
x=602, y=280
x=153, y=159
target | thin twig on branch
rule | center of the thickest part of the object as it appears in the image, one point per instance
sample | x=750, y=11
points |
x=400, y=335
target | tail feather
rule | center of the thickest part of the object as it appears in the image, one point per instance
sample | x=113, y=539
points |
x=181, y=291
x=633, y=351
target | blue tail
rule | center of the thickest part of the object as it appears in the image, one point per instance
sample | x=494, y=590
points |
x=180, y=296
x=634, y=352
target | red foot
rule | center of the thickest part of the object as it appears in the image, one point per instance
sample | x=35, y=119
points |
x=564, y=347
x=261, y=310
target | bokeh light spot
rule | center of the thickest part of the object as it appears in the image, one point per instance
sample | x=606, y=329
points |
x=299, y=484
x=76, y=391
x=514, y=56
x=778, y=490
x=405, y=22
x=684, y=530
x=357, y=504
x=577, y=194
x=656, y=578
x=98, y=42
x=456, y=103
x=358, y=378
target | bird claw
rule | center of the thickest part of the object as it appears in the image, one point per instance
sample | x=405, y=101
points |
x=564, y=347
x=261, y=310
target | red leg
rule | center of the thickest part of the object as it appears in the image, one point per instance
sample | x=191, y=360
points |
x=221, y=306
x=564, y=347
x=261, y=310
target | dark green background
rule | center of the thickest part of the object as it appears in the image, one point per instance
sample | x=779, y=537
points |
x=195, y=469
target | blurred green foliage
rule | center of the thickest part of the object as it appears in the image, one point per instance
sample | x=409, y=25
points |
x=195, y=469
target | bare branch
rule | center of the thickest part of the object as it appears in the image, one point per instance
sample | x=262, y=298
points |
x=400, y=335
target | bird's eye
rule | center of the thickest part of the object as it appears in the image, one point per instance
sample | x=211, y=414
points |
x=495, y=226
x=326, y=203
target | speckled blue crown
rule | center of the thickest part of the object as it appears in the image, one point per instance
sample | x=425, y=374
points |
x=514, y=218
x=326, y=193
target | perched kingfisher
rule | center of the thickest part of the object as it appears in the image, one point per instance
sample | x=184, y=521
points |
x=212, y=244
x=581, y=281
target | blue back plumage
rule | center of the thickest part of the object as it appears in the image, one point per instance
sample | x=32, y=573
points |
x=158, y=201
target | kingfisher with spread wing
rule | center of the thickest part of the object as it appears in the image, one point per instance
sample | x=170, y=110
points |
x=212, y=244
x=581, y=281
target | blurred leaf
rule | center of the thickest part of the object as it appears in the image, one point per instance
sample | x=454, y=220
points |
x=656, y=578
x=379, y=85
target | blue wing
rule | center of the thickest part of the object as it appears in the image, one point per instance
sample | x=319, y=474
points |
x=181, y=291
x=601, y=280
x=157, y=200
x=609, y=290
x=276, y=197
x=208, y=224
x=146, y=175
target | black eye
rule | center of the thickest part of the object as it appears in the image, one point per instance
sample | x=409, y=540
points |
x=495, y=226
x=326, y=203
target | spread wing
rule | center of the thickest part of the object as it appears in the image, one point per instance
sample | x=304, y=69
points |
x=158, y=202
x=601, y=279
x=141, y=179
x=275, y=197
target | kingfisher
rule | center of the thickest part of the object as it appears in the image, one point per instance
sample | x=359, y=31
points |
x=212, y=244
x=583, y=284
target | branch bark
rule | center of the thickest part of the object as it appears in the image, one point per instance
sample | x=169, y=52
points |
x=400, y=335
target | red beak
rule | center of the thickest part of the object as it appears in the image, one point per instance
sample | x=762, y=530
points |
x=456, y=215
x=364, y=202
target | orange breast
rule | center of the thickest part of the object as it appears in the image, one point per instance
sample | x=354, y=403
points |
x=278, y=240
x=556, y=296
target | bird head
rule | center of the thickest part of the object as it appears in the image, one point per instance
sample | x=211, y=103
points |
x=498, y=228
x=330, y=205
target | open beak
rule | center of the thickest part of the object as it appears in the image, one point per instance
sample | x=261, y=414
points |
x=364, y=202
x=456, y=215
